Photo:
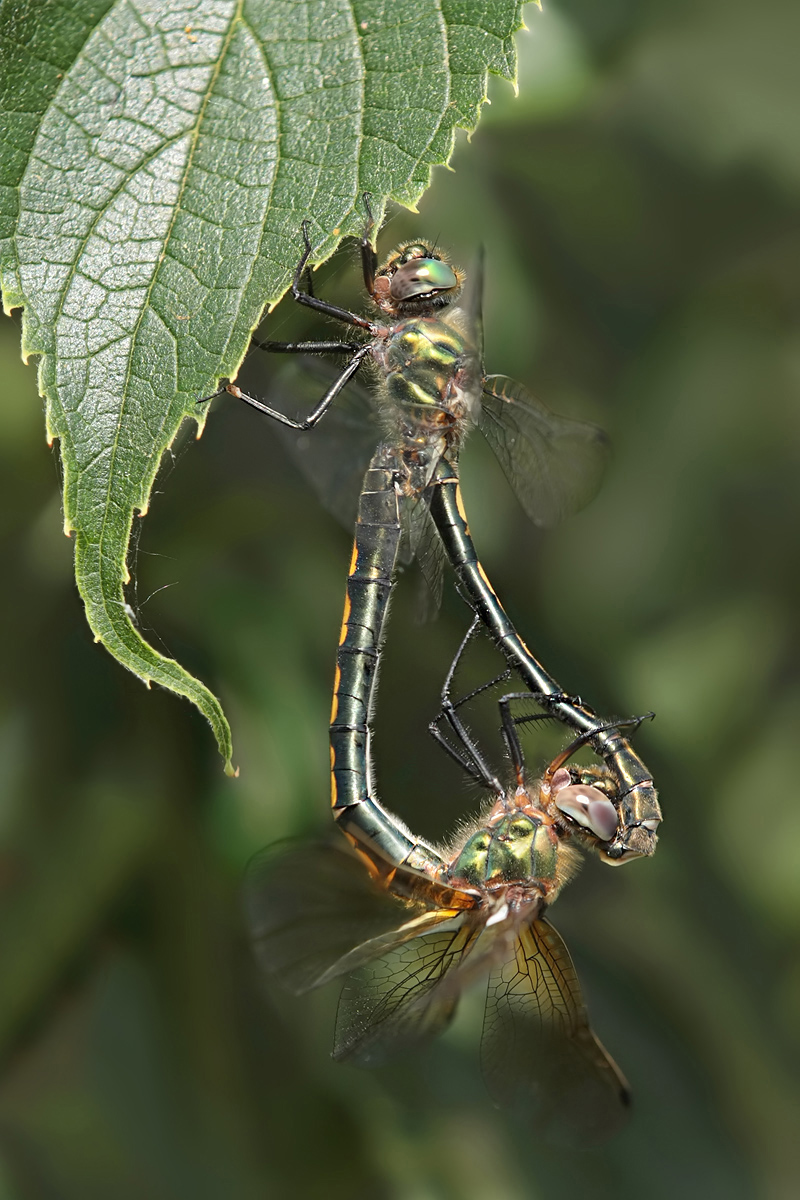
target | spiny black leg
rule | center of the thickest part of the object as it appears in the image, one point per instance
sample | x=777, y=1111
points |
x=450, y=676
x=471, y=770
x=447, y=701
x=322, y=407
x=369, y=259
x=311, y=301
x=509, y=727
x=302, y=267
x=473, y=761
x=307, y=347
x=207, y=399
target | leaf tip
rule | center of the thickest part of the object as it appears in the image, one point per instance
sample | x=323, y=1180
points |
x=231, y=771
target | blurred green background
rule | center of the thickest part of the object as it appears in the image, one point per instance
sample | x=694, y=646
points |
x=638, y=203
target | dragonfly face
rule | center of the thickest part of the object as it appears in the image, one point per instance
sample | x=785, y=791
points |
x=415, y=280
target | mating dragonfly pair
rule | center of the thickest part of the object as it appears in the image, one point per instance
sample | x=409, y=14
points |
x=422, y=923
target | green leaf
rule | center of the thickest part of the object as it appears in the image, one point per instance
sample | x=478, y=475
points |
x=158, y=158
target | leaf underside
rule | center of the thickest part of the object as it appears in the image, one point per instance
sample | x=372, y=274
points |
x=158, y=157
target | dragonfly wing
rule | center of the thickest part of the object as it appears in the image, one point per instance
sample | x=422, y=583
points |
x=334, y=455
x=421, y=541
x=378, y=947
x=538, y=1052
x=398, y=1001
x=308, y=905
x=554, y=464
x=471, y=302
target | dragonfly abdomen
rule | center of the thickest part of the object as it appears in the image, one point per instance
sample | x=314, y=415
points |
x=636, y=797
x=380, y=837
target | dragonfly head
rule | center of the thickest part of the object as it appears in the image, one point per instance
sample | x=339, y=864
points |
x=415, y=280
x=589, y=801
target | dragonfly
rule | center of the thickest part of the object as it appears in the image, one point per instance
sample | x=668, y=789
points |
x=429, y=392
x=408, y=946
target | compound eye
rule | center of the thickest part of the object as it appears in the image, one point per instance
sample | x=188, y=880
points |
x=415, y=250
x=420, y=277
x=589, y=808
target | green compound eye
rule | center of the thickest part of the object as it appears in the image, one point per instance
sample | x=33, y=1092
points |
x=415, y=250
x=421, y=276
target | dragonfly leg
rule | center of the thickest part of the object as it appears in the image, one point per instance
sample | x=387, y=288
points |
x=318, y=412
x=369, y=259
x=509, y=727
x=306, y=347
x=471, y=760
x=448, y=682
x=311, y=301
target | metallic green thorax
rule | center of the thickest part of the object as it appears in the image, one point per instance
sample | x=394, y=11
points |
x=518, y=849
x=421, y=358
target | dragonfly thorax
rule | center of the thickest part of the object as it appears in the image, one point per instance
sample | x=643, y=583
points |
x=514, y=847
x=431, y=376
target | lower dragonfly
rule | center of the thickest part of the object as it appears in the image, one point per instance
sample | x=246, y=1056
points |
x=434, y=920
x=410, y=943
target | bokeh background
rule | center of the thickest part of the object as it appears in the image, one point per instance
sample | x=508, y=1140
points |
x=638, y=203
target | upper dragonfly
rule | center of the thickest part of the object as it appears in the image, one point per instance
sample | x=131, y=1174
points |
x=430, y=387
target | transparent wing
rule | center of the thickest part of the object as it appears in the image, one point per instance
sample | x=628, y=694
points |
x=334, y=455
x=378, y=947
x=421, y=541
x=310, y=904
x=397, y=1001
x=471, y=301
x=554, y=464
x=538, y=1052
